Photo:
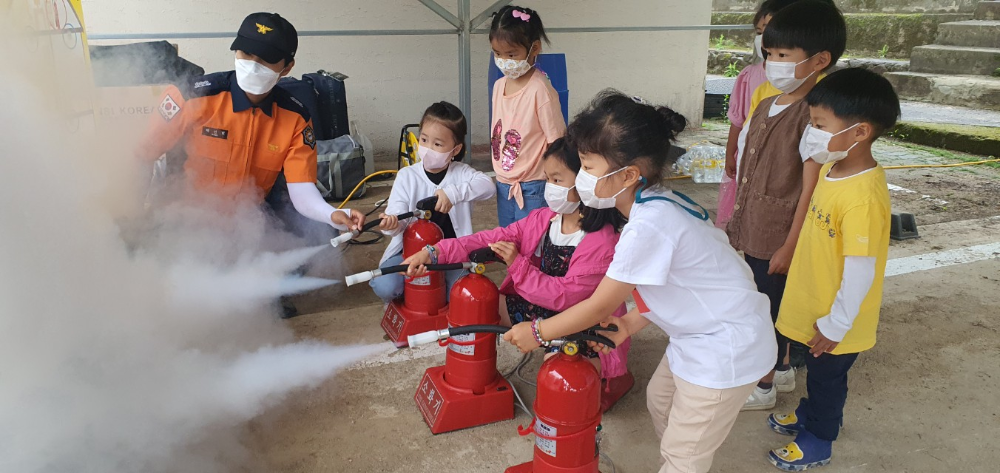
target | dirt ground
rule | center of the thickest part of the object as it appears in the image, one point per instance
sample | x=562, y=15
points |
x=923, y=400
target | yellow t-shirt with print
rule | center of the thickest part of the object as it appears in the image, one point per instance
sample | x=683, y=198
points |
x=847, y=217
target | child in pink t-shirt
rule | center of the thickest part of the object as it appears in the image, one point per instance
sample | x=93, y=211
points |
x=747, y=82
x=526, y=113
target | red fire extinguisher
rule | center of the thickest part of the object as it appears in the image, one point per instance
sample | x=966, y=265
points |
x=567, y=413
x=468, y=390
x=423, y=306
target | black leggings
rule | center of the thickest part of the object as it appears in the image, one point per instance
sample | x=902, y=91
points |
x=772, y=286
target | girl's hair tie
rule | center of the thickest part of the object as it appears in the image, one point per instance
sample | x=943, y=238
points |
x=524, y=16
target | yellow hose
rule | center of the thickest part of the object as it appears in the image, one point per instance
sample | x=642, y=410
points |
x=349, y=196
x=954, y=165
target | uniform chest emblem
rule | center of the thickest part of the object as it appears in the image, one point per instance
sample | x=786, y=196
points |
x=168, y=108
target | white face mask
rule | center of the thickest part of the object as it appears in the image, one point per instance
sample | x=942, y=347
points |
x=586, y=184
x=782, y=75
x=558, y=198
x=513, y=68
x=433, y=160
x=758, y=46
x=816, y=143
x=255, y=78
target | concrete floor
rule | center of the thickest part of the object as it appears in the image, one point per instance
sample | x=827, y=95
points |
x=923, y=400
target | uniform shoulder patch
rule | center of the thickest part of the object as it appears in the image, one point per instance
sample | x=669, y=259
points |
x=169, y=108
x=309, y=137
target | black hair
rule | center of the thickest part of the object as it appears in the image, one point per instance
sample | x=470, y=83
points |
x=627, y=132
x=811, y=25
x=593, y=219
x=858, y=95
x=515, y=30
x=452, y=118
x=770, y=7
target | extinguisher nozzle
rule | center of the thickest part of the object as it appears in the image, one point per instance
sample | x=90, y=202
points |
x=362, y=277
x=426, y=337
x=343, y=238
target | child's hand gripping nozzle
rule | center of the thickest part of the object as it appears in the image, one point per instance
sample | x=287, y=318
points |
x=423, y=212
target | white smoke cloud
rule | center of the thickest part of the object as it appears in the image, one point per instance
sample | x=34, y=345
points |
x=132, y=342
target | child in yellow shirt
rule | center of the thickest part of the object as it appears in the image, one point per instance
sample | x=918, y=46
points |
x=834, y=288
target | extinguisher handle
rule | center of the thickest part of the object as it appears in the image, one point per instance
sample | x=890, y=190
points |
x=427, y=203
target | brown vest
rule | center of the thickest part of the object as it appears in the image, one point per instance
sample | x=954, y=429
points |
x=770, y=180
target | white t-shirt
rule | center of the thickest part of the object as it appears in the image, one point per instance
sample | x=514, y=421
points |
x=559, y=238
x=700, y=292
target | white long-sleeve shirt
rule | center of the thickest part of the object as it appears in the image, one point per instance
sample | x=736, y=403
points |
x=463, y=185
x=309, y=202
x=859, y=273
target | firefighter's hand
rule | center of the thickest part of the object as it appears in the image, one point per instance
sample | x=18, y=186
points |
x=521, y=337
x=417, y=263
x=781, y=260
x=820, y=344
x=353, y=222
x=389, y=222
x=444, y=204
x=506, y=250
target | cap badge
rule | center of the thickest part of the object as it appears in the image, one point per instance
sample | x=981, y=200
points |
x=263, y=29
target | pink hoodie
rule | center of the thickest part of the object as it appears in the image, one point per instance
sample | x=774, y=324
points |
x=587, y=268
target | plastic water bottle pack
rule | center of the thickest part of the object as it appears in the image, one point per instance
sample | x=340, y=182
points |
x=705, y=163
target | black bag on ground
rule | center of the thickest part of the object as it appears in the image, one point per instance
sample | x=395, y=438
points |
x=340, y=167
x=325, y=96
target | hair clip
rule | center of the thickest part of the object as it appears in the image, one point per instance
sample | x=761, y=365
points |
x=524, y=16
x=639, y=100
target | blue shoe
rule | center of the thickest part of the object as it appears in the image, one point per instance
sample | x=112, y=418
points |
x=804, y=453
x=789, y=424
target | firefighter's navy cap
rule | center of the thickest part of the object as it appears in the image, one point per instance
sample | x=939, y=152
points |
x=267, y=36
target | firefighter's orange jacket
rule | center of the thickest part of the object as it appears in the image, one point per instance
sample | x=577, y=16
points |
x=230, y=143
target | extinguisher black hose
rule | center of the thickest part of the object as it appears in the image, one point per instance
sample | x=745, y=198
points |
x=467, y=329
x=578, y=337
x=377, y=222
x=430, y=267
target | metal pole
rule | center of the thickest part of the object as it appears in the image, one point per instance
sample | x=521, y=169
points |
x=619, y=29
x=479, y=19
x=223, y=35
x=465, y=68
x=441, y=11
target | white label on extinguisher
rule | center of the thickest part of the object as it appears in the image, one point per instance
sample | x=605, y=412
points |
x=545, y=445
x=421, y=281
x=463, y=349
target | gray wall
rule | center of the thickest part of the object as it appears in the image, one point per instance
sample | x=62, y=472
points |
x=393, y=79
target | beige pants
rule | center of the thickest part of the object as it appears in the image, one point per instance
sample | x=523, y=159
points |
x=691, y=421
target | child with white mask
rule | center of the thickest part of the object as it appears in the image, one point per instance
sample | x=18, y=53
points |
x=556, y=257
x=441, y=174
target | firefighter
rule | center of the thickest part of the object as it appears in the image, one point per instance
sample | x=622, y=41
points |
x=240, y=132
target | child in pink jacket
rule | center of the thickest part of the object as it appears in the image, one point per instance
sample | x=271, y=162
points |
x=556, y=257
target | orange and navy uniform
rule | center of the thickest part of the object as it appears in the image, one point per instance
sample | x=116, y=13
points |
x=230, y=143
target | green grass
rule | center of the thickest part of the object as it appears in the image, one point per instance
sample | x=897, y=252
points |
x=943, y=153
x=722, y=42
x=974, y=140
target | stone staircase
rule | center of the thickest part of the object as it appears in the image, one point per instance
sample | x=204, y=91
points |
x=962, y=69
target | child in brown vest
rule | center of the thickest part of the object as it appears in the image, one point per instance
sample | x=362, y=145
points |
x=775, y=180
